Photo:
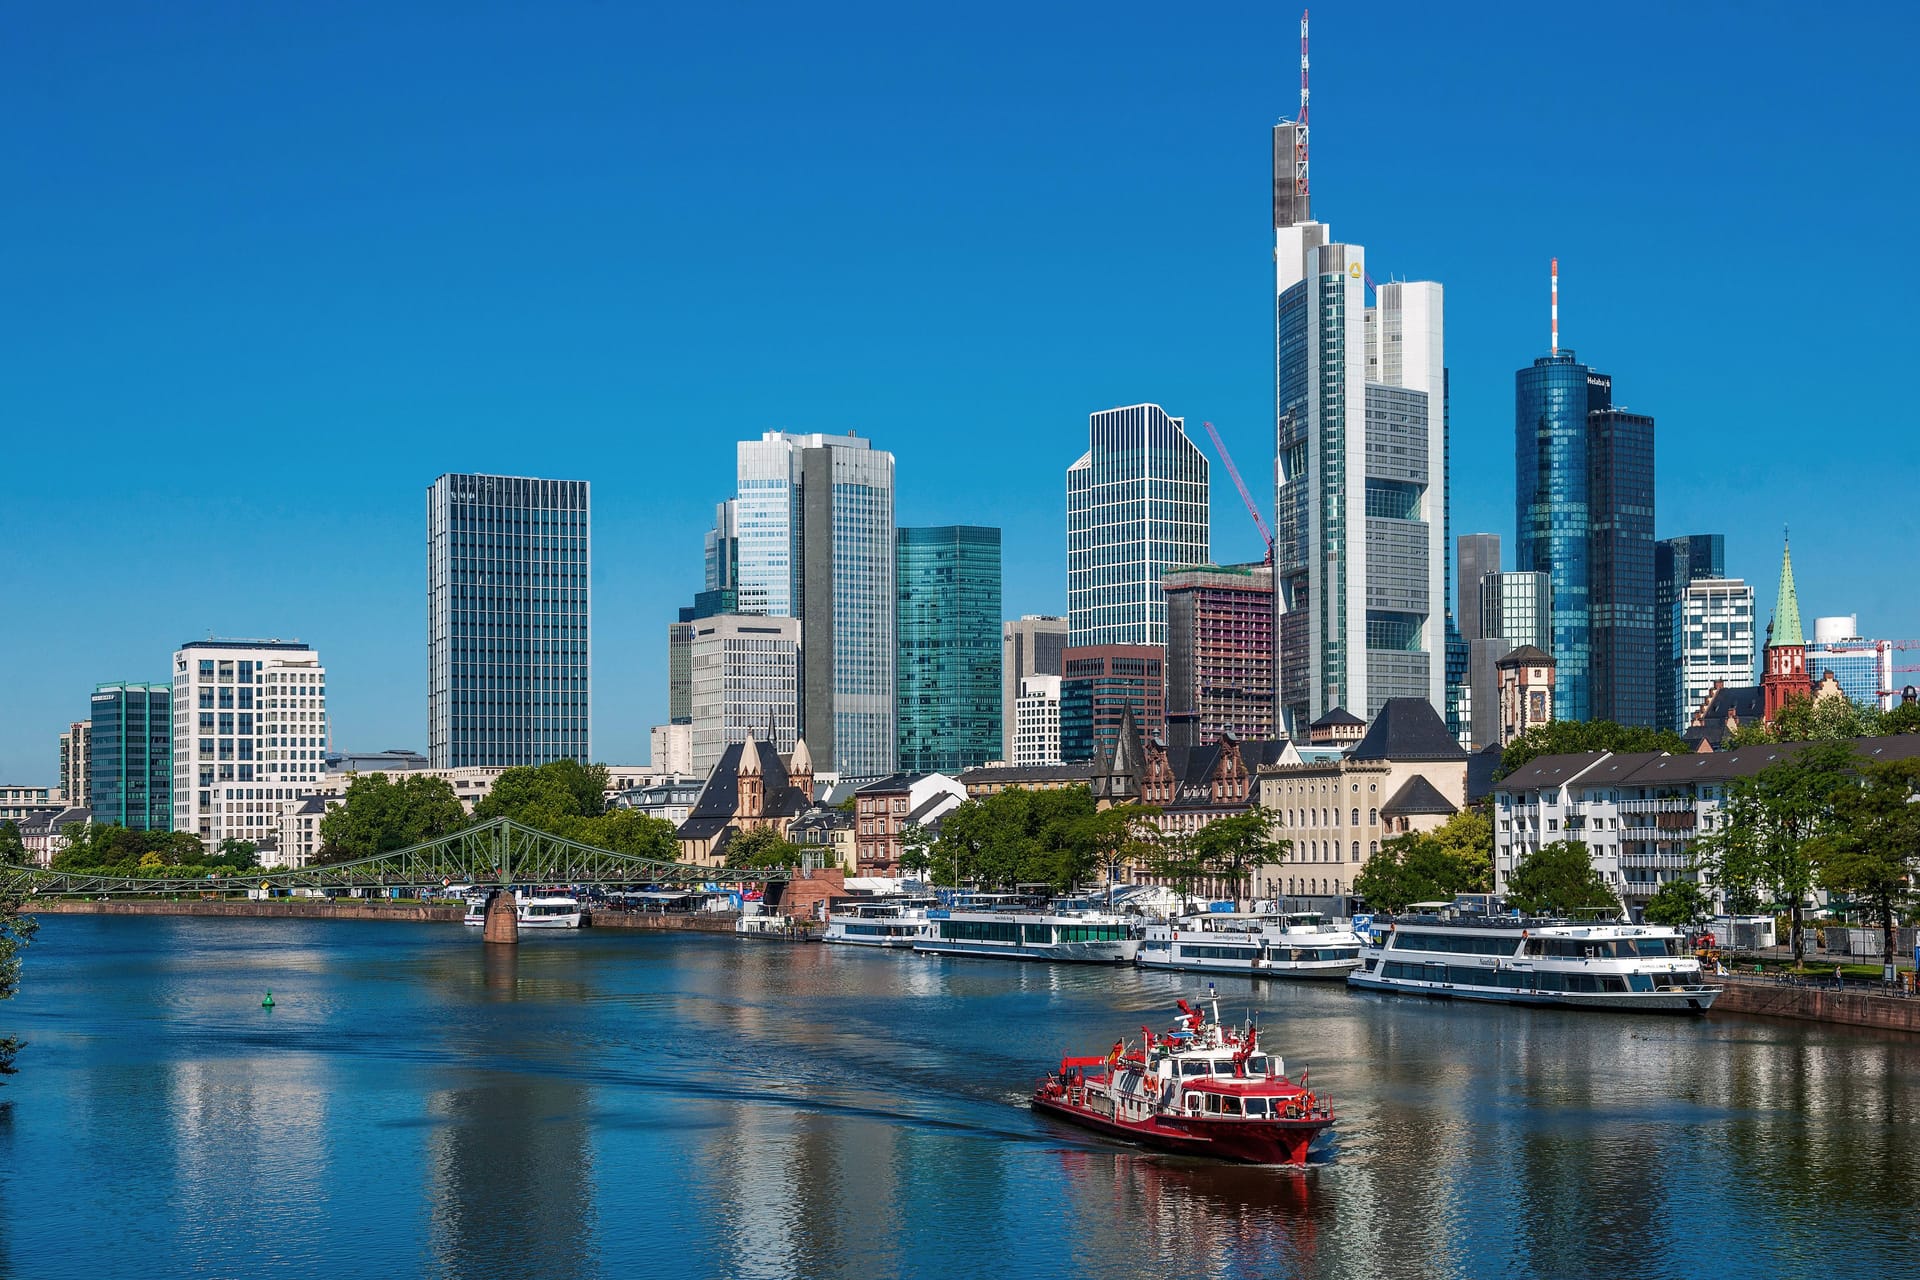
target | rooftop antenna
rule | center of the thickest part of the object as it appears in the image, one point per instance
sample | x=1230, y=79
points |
x=1556, y=306
x=1300, y=133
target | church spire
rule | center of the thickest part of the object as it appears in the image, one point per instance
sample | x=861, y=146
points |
x=1786, y=608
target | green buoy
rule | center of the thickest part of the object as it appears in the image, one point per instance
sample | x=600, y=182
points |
x=268, y=1002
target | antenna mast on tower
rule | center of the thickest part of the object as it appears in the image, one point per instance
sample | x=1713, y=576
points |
x=1300, y=132
x=1556, y=306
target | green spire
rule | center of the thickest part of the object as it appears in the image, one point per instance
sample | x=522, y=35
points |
x=1786, y=607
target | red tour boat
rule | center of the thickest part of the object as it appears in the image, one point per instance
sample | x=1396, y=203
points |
x=1199, y=1090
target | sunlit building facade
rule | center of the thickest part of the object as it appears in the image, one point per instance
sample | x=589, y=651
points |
x=947, y=581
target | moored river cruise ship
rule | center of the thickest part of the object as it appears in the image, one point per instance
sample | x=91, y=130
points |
x=883, y=922
x=1535, y=962
x=1298, y=945
x=1066, y=929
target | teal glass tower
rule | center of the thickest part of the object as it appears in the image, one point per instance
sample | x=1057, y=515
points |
x=130, y=756
x=947, y=627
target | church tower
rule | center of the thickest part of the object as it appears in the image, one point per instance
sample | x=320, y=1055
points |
x=1786, y=655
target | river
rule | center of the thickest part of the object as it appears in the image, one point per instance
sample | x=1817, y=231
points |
x=615, y=1103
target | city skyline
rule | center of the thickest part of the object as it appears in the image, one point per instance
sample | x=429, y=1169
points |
x=216, y=357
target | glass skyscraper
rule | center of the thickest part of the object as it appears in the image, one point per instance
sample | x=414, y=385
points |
x=1136, y=507
x=1676, y=563
x=130, y=747
x=508, y=621
x=948, y=629
x=1583, y=481
x=814, y=522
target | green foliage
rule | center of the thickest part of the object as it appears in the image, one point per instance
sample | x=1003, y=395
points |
x=1869, y=849
x=916, y=849
x=110, y=849
x=1028, y=837
x=380, y=815
x=13, y=850
x=1763, y=848
x=1679, y=904
x=1904, y=718
x=760, y=849
x=16, y=931
x=627, y=831
x=544, y=796
x=1559, y=879
x=1433, y=866
x=1230, y=848
x=1565, y=737
x=1809, y=719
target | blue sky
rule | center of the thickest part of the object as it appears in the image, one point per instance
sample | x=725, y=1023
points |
x=270, y=269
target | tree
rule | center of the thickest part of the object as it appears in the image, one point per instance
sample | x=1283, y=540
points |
x=916, y=849
x=1231, y=847
x=760, y=849
x=1106, y=842
x=1418, y=867
x=1565, y=737
x=1176, y=860
x=1904, y=718
x=1679, y=904
x=16, y=931
x=379, y=815
x=1559, y=879
x=627, y=831
x=1766, y=825
x=237, y=855
x=1020, y=836
x=1869, y=850
x=13, y=850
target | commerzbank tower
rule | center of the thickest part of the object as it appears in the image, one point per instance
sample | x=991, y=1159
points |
x=1360, y=422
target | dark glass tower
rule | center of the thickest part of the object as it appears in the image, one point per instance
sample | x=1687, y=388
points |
x=1676, y=563
x=947, y=584
x=1620, y=566
x=130, y=756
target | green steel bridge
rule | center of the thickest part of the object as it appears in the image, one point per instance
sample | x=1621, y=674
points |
x=499, y=852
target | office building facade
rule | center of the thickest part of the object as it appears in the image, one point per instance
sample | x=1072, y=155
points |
x=1864, y=668
x=947, y=625
x=814, y=519
x=1360, y=554
x=250, y=731
x=746, y=682
x=1677, y=562
x=1714, y=637
x=1136, y=507
x=1031, y=645
x=1219, y=653
x=73, y=762
x=1036, y=734
x=1102, y=684
x=130, y=776
x=509, y=621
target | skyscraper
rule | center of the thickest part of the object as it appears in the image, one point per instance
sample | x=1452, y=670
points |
x=745, y=681
x=74, y=747
x=1034, y=644
x=948, y=626
x=250, y=731
x=1713, y=628
x=1136, y=507
x=1219, y=653
x=1360, y=555
x=814, y=519
x=1514, y=610
x=130, y=780
x=509, y=617
x=1620, y=551
x=1677, y=562
x=1479, y=556
x=1102, y=685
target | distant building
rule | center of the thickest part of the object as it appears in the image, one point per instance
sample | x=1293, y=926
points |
x=392, y=760
x=746, y=679
x=886, y=808
x=947, y=626
x=250, y=732
x=1864, y=668
x=1676, y=563
x=1036, y=738
x=1031, y=645
x=131, y=771
x=1526, y=691
x=680, y=669
x=1784, y=674
x=298, y=840
x=670, y=799
x=73, y=762
x=827, y=835
x=43, y=834
x=1515, y=610
x=1713, y=635
x=1102, y=684
x=671, y=745
x=1337, y=728
x=991, y=780
x=1136, y=507
x=1219, y=653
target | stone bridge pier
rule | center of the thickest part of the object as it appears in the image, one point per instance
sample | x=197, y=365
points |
x=503, y=918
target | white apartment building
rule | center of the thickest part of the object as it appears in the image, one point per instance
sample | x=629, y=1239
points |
x=746, y=676
x=1714, y=641
x=250, y=733
x=1036, y=722
x=672, y=746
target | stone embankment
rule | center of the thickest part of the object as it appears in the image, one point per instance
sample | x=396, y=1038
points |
x=1852, y=1007
x=690, y=921
x=257, y=908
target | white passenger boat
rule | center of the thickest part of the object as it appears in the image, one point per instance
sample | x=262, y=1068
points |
x=1535, y=962
x=883, y=922
x=1258, y=944
x=552, y=912
x=1022, y=929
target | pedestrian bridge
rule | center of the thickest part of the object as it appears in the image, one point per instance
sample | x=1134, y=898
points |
x=498, y=852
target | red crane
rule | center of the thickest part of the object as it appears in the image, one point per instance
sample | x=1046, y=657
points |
x=1266, y=534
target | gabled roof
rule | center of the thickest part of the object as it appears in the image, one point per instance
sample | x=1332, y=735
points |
x=1548, y=771
x=1527, y=655
x=1013, y=775
x=720, y=798
x=1339, y=715
x=893, y=782
x=1746, y=704
x=1417, y=795
x=1408, y=729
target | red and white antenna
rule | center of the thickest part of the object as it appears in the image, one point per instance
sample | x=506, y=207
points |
x=1300, y=129
x=1556, y=306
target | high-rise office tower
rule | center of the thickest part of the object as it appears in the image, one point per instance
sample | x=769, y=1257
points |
x=1034, y=644
x=815, y=523
x=680, y=668
x=947, y=581
x=249, y=733
x=1514, y=610
x=509, y=615
x=1677, y=562
x=723, y=547
x=1479, y=555
x=130, y=781
x=1102, y=685
x=1863, y=667
x=1136, y=507
x=1036, y=730
x=1584, y=514
x=1471, y=691
x=73, y=762
x=746, y=680
x=1360, y=554
x=1219, y=653
x=1713, y=627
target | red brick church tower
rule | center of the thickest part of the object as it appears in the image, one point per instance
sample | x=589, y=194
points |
x=1786, y=653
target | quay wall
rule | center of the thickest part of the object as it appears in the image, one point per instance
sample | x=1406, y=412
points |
x=694, y=922
x=260, y=908
x=1819, y=1004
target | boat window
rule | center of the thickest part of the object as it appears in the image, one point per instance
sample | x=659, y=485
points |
x=1657, y=947
x=1640, y=981
x=1223, y=1066
x=1193, y=1102
x=1230, y=1105
x=1193, y=1066
x=1257, y=1065
x=1213, y=1102
x=1256, y=1106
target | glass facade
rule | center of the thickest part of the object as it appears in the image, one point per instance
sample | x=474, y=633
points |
x=1136, y=507
x=508, y=637
x=1864, y=668
x=1101, y=684
x=1219, y=654
x=1620, y=567
x=130, y=738
x=1676, y=563
x=947, y=581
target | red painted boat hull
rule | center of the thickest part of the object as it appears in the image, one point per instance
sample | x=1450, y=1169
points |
x=1249, y=1142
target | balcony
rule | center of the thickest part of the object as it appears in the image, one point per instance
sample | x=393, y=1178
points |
x=1670, y=805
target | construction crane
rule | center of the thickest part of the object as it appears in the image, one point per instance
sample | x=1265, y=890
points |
x=1253, y=509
